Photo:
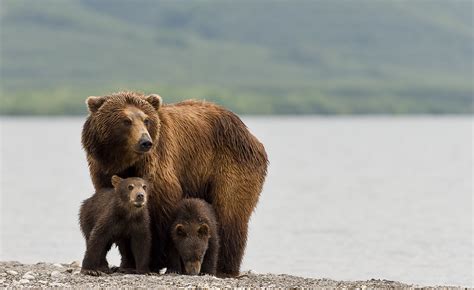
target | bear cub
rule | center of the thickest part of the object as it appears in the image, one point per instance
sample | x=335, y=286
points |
x=195, y=240
x=117, y=215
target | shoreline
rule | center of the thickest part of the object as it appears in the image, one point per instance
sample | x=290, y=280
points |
x=16, y=274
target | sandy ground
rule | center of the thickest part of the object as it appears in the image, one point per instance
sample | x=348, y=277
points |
x=14, y=274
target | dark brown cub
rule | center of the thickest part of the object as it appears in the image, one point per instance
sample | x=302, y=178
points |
x=195, y=240
x=117, y=215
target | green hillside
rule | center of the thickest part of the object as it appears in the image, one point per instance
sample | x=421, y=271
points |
x=256, y=57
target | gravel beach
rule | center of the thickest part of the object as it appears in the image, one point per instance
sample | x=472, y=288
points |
x=15, y=274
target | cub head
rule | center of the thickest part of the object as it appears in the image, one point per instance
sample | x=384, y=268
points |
x=124, y=124
x=132, y=191
x=191, y=240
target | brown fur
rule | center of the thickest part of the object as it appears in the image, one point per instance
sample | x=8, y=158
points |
x=117, y=215
x=199, y=150
x=195, y=239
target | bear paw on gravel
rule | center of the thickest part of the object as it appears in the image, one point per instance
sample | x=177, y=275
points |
x=98, y=272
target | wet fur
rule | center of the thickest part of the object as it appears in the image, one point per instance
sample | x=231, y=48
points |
x=200, y=150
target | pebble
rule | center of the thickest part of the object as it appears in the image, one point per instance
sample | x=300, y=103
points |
x=56, y=284
x=55, y=274
x=3, y=274
x=24, y=281
x=75, y=264
x=58, y=265
x=42, y=281
x=76, y=273
x=1, y=281
x=11, y=272
x=28, y=276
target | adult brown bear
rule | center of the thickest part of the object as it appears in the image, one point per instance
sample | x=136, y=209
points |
x=189, y=149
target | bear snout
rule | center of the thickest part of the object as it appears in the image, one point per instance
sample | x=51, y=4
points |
x=192, y=268
x=140, y=197
x=145, y=143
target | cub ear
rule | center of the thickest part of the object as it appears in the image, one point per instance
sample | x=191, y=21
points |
x=115, y=181
x=203, y=230
x=179, y=230
x=155, y=100
x=94, y=103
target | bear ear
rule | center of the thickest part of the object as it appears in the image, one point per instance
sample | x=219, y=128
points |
x=179, y=230
x=155, y=100
x=115, y=181
x=94, y=103
x=203, y=230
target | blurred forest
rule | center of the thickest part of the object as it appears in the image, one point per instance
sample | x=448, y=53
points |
x=255, y=57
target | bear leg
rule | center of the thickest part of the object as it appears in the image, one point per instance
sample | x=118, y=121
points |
x=234, y=202
x=127, y=261
x=234, y=239
x=209, y=264
x=96, y=253
x=141, y=244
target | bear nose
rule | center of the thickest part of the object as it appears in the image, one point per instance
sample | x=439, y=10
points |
x=145, y=144
x=140, y=196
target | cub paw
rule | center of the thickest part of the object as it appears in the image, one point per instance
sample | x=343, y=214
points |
x=91, y=272
x=127, y=270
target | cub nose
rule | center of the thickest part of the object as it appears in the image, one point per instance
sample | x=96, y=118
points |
x=140, y=196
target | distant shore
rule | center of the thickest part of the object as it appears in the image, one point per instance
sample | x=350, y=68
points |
x=15, y=274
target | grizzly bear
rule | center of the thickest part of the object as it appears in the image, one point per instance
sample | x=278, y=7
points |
x=117, y=215
x=194, y=238
x=189, y=149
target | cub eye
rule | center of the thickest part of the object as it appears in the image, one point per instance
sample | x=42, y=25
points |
x=144, y=187
x=147, y=122
x=130, y=186
x=127, y=122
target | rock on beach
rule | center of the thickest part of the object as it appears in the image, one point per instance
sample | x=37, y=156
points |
x=15, y=274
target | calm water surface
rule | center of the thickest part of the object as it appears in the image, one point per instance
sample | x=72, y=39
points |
x=345, y=198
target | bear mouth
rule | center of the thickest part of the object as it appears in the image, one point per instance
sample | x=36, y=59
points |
x=141, y=152
x=138, y=204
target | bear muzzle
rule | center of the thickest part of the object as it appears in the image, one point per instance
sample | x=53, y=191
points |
x=192, y=268
x=145, y=143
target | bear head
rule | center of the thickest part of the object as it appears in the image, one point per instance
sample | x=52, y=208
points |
x=191, y=241
x=121, y=128
x=132, y=191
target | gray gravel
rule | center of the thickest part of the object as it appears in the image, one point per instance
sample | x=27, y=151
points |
x=15, y=274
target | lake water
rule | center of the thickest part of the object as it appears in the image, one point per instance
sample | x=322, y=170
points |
x=345, y=198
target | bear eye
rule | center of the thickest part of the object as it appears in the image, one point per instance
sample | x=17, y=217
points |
x=130, y=186
x=127, y=122
x=180, y=231
x=144, y=187
x=147, y=122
